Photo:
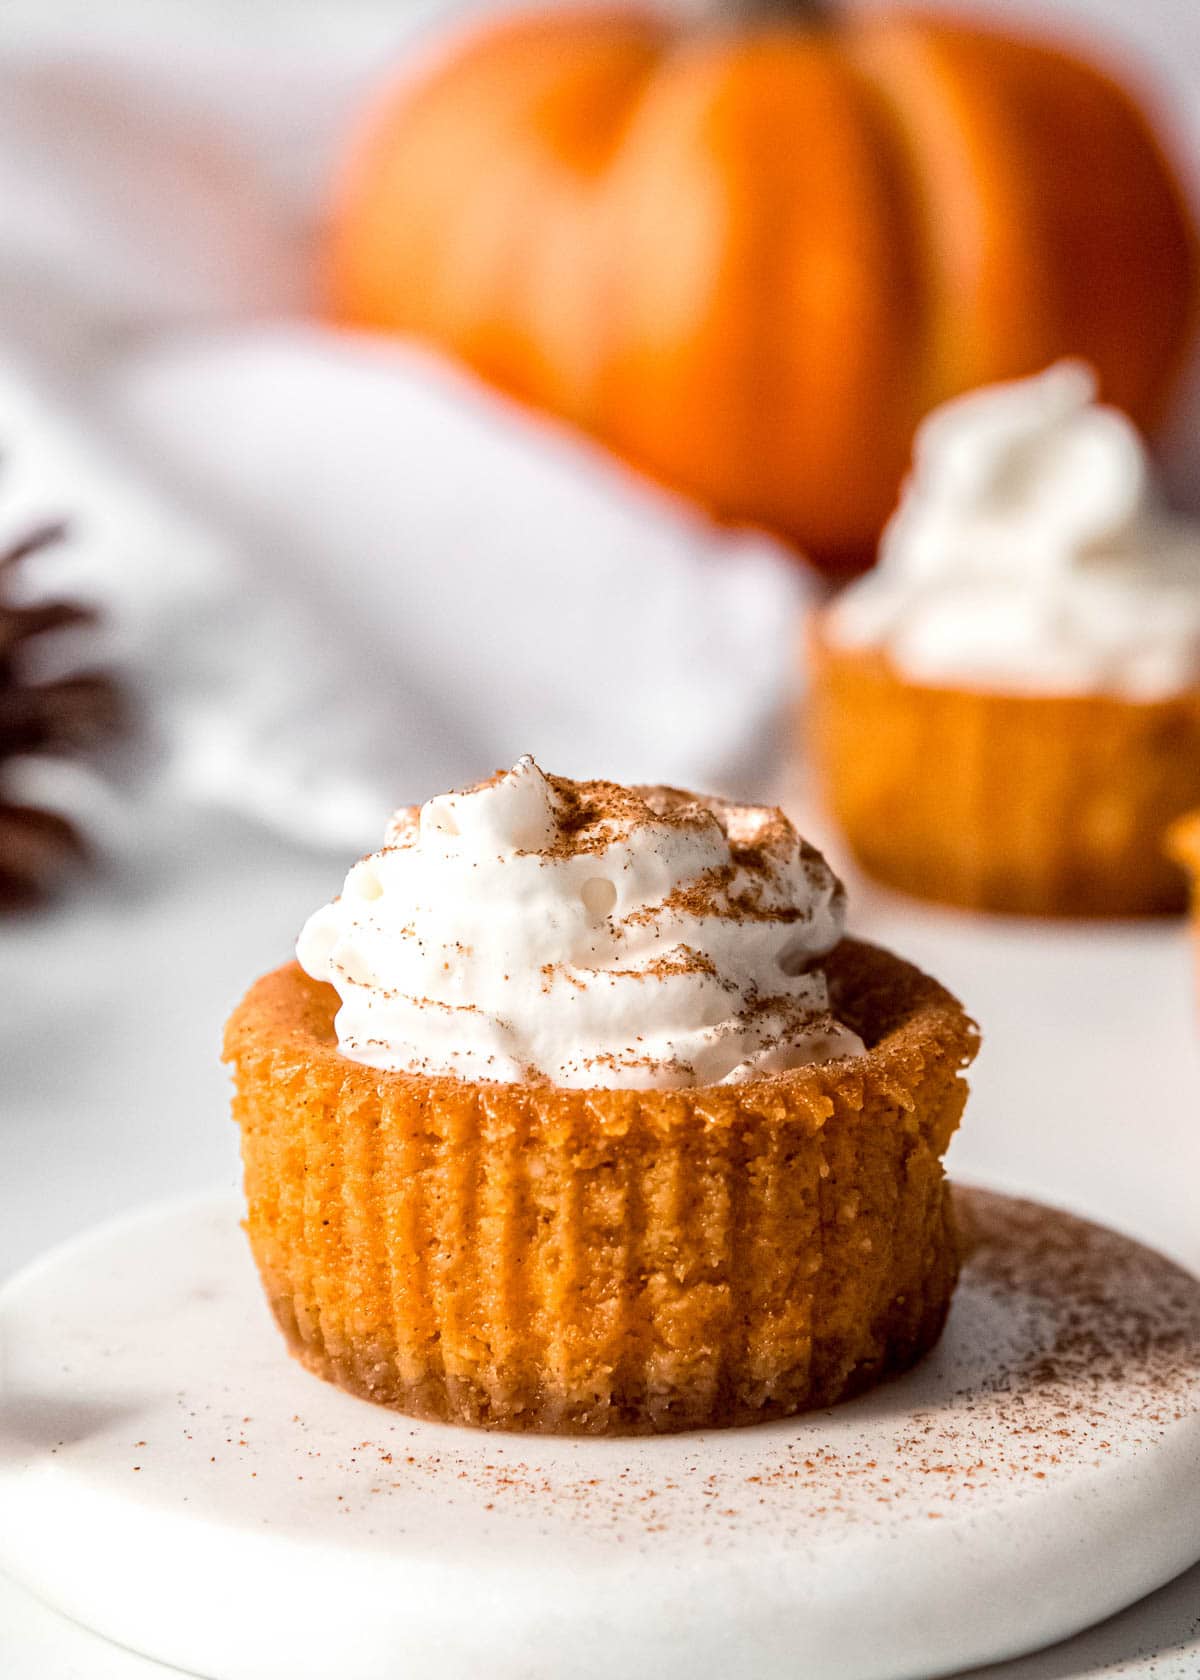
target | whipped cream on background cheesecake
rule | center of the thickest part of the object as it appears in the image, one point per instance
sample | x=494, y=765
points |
x=1031, y=552
x=535, y=928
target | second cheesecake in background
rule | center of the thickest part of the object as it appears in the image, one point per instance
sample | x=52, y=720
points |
x=1005, y=715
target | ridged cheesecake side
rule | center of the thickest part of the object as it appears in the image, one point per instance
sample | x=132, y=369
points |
x=605, y=1261
x=1025, y=804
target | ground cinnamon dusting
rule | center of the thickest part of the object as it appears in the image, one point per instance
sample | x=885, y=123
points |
x=1069, y=1345
x=592, y=816
x=1106, y=1354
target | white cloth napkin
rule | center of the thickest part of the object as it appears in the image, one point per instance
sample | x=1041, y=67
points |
x=340, y=577
x=502, y=587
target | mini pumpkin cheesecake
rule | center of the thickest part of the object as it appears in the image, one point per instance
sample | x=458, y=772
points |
x=578, y=1114
x=1005, y=715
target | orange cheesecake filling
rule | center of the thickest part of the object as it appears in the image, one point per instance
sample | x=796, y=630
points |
x=528, y=1256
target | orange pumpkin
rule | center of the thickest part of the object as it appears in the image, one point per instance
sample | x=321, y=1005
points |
x=750, y=259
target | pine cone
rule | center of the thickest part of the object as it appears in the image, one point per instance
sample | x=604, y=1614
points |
x=72, y=715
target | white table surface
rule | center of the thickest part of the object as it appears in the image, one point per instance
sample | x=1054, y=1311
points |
x=111, y=1094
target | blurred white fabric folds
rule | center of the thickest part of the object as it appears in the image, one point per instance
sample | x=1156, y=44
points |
x=339, y=574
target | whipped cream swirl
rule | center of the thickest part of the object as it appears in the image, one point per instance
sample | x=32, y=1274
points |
x=1031, y=552
x=535, y=928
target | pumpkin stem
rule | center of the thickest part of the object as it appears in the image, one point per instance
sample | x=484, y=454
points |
x=802, y=13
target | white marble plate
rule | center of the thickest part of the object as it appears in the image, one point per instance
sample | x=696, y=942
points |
x=171, y=1479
